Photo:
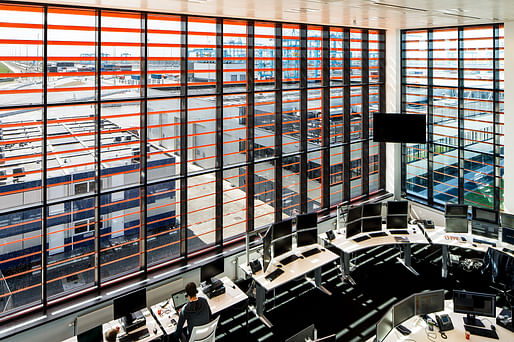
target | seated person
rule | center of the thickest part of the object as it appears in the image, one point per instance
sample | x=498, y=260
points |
x=110, y=336
x=196, y=312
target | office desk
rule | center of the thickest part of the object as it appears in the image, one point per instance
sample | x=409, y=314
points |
x=233, y=295
x=439, y=236
x=299, y=267
x=348, y=246
x=417, y=326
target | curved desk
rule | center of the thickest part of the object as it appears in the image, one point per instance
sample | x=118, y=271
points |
x=348, y=246
x=417, y=327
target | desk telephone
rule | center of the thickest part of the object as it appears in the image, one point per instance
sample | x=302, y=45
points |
x=444, y=322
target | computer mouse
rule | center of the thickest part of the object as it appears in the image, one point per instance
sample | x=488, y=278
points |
x=301, y=257
x=279, y=265
x=233, y=286
x=493, y=327
x=155, y=330
x=323, y=249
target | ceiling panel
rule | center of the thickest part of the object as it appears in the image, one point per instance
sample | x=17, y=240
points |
x=364, y=13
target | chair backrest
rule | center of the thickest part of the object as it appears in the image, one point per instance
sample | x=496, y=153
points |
x=205, y=333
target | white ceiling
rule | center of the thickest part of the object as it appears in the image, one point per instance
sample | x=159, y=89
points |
x=362, y=13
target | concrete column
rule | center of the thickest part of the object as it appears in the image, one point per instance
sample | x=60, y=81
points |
x=393, y=105
x=508, y=127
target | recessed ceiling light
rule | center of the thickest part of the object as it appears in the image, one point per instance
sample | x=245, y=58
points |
x=302, y=10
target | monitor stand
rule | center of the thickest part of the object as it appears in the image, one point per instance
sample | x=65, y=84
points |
x=471, y=320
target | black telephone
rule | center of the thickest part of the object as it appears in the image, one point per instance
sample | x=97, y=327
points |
x=330, y=235
x=255, y=265
x=444, y=322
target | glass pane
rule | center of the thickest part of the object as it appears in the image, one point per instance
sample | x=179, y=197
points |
x=234, y=129
x=479, y=179
x=264, y=143
x=356, y=113
x=264, y=52
x=416, y=169
x=445, y=57
x=201, y=54
x=290, y=56
x=234, y=55
x=336, y=56
x=201, y=212
x=201, y=133
x=355, y=56
x=314, y=55
x=314, y=181
x=374, y=166
x=314, y=119
x=234, y=202
x=356, y=170
x=290, y=185
x=290, y=121
x=446, y=172
x=264, y=199
x=415, y=57
x=336, y=175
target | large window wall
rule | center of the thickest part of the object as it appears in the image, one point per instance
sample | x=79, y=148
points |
x=129, y=140
x=455, y=77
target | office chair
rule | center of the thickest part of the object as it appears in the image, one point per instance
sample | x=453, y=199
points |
x=205, y=333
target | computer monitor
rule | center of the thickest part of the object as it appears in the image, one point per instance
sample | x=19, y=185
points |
x=384, y=326
x=398, y=208
x=430, y=301
x=371, y=224
x=404, y=310
x=456, y=224
x=91, y=335
x=397, y=221
x=179, y=299
x=306, y=221
x=354, y=214
x=266, y=248
x=507, y=220
x=282, y=228
x=474, y=303
x=372, y=209
x=282, y=245
x=485, y=215
x=212, y=269
x=499, y=267
x=508, y=235
x=306, y=237
x=353, y=228
x=129, y=303
x=456, y=210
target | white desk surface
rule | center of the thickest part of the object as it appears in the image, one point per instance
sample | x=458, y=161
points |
x=151, y=323
x=233, y=295
x=417, y=327
x=294, y=269
x=349, y=245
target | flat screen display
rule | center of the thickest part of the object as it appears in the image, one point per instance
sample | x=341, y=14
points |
x=456, y=224
x=508, y=235
x=129, y=303
x=282, y=228
x=507, y=220
x=307, y=237
x=397, y=208
x=354, y=214
x=92, y=335
x=371, y=224
x=404, y=128
x=428, y=302
x=282, y=245
x=397, y=222
x=384, y=326
x=485, y=215
x=353, y=228
x=372, y=209
x=179, y=299
x=474, y=303
x=404, y=310
x=306, y=221
x=485, y=229
x=266, y=248
x=456, y=210
x=212, y=269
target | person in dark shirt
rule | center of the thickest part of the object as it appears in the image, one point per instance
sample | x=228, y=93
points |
x=196, y=312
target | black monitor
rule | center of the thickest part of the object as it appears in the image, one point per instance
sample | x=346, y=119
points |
x=266, y=248
x=371, y=224
x=507, y=220
x=92, y=335
x=353, y=228
x=212, y=269
x=398, y=208
x=498, y=266
x=397, y=221
x=306, y=221
x=485, y=229
x=282, y=245
x=282, y=228
x=384, y=326
x=508, y=235
x=354, y=214
x=485, y=215
x=392, y=127
x=404, y=310
x=456, y=224
x=456, y=210
x=129, y=303
x=372, y=209
x=474, y=303
x=306, y=237
x=430, y=301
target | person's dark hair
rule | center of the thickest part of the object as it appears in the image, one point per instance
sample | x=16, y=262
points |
x=191, y=290
x=110, y=336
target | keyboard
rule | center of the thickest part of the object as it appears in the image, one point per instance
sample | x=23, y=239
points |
x=399, y=231
x=289, y=259
x=310, y=252
x=481, y=331
x=485, y=242
x=274, y=275
x=377, y=234
x=361, y=238
x=135, y=336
